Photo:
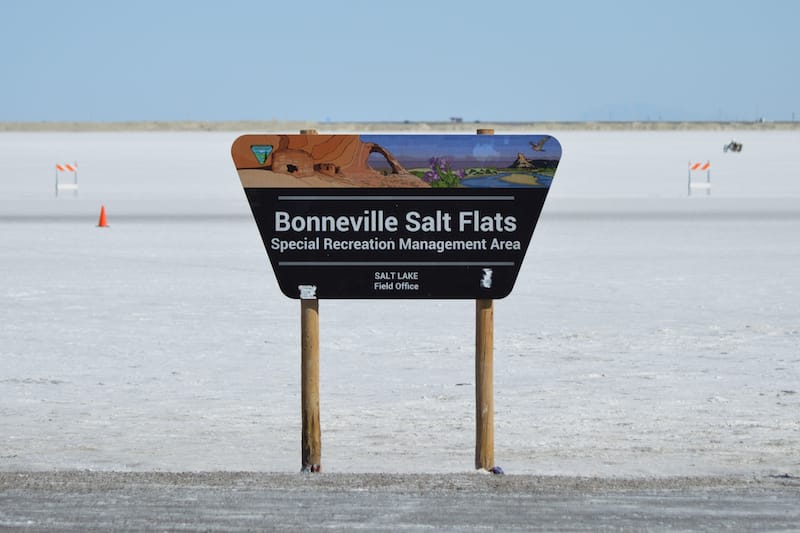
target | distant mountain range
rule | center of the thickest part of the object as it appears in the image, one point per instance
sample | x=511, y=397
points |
x=388, y=126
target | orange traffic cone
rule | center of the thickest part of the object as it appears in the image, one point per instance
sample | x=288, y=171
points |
x=102, y=222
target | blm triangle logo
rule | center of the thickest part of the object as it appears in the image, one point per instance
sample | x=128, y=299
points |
x=261, y=151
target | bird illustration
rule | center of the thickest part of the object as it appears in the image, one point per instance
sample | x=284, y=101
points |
x=539, y=146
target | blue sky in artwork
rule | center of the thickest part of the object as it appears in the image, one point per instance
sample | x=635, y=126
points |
x=467, y=150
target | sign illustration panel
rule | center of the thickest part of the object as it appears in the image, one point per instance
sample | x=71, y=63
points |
x=396, y=216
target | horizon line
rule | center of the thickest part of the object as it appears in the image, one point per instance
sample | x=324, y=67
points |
x=388, y=125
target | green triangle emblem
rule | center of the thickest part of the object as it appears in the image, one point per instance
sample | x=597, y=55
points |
x=261, y=151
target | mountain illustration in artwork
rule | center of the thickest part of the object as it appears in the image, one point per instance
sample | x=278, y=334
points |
x=521, y=162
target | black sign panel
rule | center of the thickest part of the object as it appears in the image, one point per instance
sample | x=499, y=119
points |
x=359, y=217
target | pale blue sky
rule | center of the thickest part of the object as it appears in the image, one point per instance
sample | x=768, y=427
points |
x=348, y=60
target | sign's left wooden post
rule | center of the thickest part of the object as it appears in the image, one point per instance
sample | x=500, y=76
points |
x=311, y=439
x=311, y=445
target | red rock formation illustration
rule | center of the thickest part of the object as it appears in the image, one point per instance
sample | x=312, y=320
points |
x=318, y=161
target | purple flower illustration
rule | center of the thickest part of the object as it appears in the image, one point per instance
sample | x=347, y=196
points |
x=441, y=174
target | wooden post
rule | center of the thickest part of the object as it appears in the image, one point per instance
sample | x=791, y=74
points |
x=484, y=376
x=311, y=432
x=484, y=384
x=311, y=444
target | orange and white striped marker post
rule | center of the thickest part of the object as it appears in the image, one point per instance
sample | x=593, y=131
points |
x=700, y=167
x=67, y=167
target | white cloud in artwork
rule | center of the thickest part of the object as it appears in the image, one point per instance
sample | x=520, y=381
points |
x=484, y=151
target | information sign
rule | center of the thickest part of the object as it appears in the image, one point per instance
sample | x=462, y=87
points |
x=396, y=216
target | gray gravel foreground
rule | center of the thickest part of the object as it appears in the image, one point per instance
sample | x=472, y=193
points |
x=241, y=501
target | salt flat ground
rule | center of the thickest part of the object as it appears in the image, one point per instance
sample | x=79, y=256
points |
x=649, y=333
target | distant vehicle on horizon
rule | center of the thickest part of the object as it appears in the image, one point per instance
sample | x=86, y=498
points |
x=732, y=146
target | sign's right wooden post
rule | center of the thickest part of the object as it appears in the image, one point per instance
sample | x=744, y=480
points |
x=484, y=384
x=484, y=376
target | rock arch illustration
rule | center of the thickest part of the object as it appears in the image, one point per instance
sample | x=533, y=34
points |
x=395, y=165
